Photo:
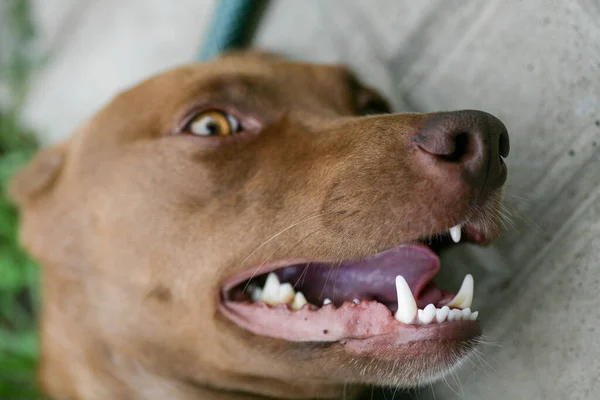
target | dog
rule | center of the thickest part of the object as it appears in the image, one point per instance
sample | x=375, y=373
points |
x=256, y=228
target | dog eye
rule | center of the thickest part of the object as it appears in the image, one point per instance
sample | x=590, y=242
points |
x=213, y=123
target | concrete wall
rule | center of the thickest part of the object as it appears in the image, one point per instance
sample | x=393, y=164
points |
x=535, y=64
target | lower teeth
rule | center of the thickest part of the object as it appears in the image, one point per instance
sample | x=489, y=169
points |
x=275, y=293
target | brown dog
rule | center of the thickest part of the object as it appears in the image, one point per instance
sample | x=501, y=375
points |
x=177, y=227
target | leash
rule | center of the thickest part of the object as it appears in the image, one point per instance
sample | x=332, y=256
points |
x=232, y=26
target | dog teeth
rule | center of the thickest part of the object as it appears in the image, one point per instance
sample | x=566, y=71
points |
x=274, y=292
x=466, y=314
x=455, y=315
x=430, y=315
x=256, y=294
x=299, y=301
x=455, y=233
x=407, y=306
x=464, y=297
x=409, y=314
x=442, y=313
x=427, y=315
x=270, y=292
x=286, y=293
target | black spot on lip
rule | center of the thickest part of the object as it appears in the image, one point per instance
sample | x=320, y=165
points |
x=325, y=331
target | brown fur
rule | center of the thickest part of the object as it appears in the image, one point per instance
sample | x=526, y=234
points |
x=137, y=228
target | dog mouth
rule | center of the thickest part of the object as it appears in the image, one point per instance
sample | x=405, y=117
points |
x=390, y=294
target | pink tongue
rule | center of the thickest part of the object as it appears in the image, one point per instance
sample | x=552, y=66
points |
x=372, y=278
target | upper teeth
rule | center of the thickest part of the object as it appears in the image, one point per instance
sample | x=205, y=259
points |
x=464, y=297
x=409, y=314
x=455, y=233
x=274, y=293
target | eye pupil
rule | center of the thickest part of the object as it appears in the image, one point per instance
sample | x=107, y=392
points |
x=212, y=127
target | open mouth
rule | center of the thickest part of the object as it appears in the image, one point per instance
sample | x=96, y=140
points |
x=391, y=292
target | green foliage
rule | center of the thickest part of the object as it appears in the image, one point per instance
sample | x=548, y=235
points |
x=19, y=275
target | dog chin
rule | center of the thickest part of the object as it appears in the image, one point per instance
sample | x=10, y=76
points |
x=422, y=371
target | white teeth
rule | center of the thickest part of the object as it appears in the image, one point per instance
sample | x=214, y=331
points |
x=407, y=307
x=431, y=314
x=442, y=313
x=299, y=301
x=274, y=293
x=455, y=232
x=286, y=293
x=464, y=297
x=270, y=292
x=427, y=315
x=256, y=294
x=466, y=314
x=455, y=315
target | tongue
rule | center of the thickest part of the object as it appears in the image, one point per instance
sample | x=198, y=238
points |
x=368, y=279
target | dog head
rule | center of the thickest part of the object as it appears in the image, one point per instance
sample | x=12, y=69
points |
x=178, y=225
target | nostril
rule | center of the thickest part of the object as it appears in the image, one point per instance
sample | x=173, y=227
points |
x=504, y=144
x=461, y=147
x=445, y=144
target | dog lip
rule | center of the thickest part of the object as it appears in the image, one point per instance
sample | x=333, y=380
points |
x=360, y=326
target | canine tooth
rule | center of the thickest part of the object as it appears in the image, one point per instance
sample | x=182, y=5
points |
x=464, y=297
x=270, y=292
x=407, y=306
x=326, y=301
x=442, y=313
x=474, y=315
x=455, y=232
x=256, y=294
x=455, y=315
x=299, y=301
x=286, y=293
x=356, y=301
x=466, y=314
x=427, y=315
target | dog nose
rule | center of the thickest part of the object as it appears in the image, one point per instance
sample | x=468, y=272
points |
x=476, y=142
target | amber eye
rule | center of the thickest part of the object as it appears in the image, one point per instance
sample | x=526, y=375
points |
x=213, y=123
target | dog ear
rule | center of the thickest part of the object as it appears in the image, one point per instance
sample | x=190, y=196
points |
x=37, y=177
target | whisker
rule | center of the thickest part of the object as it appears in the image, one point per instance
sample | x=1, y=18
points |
x=306, y=219
x=271, y=254
x=337, y=272
x=325, y=284
x=302, y=275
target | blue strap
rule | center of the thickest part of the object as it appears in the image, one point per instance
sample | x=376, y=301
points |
x=231, y=26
